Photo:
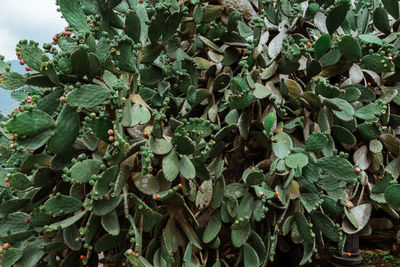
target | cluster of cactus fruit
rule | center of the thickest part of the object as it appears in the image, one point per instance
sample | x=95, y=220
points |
x=200, y=133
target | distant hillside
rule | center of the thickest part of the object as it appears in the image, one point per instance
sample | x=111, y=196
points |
x=6, y=102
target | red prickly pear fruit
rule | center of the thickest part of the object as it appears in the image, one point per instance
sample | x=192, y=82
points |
x=22, y=62
x=27, y=220
x=357, y=170
x=6, y=179
x=27, y=68
x=6, y=246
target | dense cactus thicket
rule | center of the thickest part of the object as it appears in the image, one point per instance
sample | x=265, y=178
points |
x=200, y=133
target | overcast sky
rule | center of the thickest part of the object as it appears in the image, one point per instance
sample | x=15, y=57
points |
x=27, y=19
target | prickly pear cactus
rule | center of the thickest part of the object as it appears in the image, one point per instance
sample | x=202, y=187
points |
x=191, y=133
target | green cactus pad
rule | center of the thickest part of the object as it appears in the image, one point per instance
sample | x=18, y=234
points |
x=296, y=160
x=221, y=134
x=250, y=256
x=184, y=145
x=326, y=225
x=350, y=47
x=171, y=166
x=134, y=115
x=242, y=101
x=73, y=14
x=218, y=193
x=171, y=25
x=12, y=80
x=240, y=236
x=252, y=176
x=357, y=218
x=308, y=251
x=104, y=206
x=392, y=196
x=11, y=256
x=378, y=63
x=88, y=96
x=340, y=108
x=331, y=58
x=212, y=229
x=133, y=25
x=147, y=184
x=282, y=145
x=337, y=168
x=381, y=20
x=70, y=235
x=17, y=237
x=304, y=227
x=342, y=134
x=67, y=129
x=316, y=142
x=138, y=261
x=369, y=130
x=332, y=207
x=327, y=90
x=19, y=181
x=337, y=15
x=80, y=62
x=35, y=142
x=204, y=195
x=30, y=123
x=107, y=241
x=160, y=146
x=110, y=223
x=61, y=205
x=50, y=102
x=186, y=168
x=66, y=222
x=352, y=93
x=310, y=201
x=103, y=184
x=144, y=209
x=392, y=7
x=32, y=56
x=150, y=53
x=369, y=112
x=83, y=171
x=269, y=122
x=322, y=45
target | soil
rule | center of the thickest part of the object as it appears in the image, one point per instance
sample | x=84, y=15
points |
x=378, y=258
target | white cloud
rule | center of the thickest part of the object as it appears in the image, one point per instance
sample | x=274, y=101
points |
x=7, y=43
x=27, y=19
